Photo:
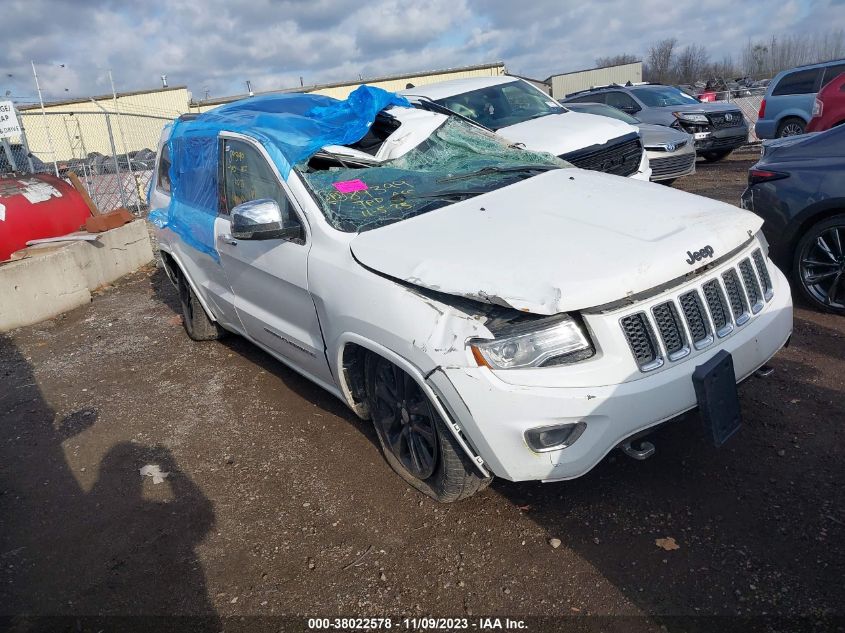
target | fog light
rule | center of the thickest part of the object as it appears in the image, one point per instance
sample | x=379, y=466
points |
x=553, y=438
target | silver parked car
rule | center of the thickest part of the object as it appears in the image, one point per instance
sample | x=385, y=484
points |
x=671, y=153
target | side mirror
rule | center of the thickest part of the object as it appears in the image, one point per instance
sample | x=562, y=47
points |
x=631, y=109
x=262, y=220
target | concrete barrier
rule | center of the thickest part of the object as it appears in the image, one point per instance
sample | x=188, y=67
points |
x=54, y=279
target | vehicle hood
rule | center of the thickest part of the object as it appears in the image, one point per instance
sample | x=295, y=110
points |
x=660, y=135
x=565, y=132
x=565, y=240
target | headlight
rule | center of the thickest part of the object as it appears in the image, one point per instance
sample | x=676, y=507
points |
x=558, y=341
x=692, y=117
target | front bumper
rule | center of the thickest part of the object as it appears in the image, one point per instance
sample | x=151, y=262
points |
x=720, y=140
x=494, y=414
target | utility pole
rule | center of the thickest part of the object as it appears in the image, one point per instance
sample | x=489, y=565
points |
x=44, y=115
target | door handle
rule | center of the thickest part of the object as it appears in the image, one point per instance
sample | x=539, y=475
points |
x=228, y=239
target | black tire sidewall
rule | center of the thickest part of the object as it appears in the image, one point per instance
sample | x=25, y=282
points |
x=808, y=236
x=435, y=486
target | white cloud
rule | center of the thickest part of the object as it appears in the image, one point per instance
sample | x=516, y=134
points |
x=220, y=43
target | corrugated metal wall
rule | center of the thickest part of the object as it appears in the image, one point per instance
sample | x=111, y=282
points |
x=565, y=84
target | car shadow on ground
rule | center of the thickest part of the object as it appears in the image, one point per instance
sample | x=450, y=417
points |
x=124, y=547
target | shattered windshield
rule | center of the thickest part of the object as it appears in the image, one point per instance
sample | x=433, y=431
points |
x=458, y=161
x=502, y=105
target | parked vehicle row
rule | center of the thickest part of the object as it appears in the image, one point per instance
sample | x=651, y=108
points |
x=671, y=153
x=520, y=112
x=798, y=188
x=717, y=128
x=787, y=106
x=493, y=310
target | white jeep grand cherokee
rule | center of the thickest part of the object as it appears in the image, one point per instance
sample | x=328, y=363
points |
x=493, y=310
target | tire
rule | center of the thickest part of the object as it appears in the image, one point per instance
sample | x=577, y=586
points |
x=668, y=182
x=197, y=324
x=414, y=439
x=715, y=156
x=818, y=268
x=791, y=126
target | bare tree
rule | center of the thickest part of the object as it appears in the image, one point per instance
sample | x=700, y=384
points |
x=659, y=60
x=616, y=60
x=766, y=58
x=691, y=64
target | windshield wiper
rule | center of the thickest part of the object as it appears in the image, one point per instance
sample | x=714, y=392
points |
x=492, y=169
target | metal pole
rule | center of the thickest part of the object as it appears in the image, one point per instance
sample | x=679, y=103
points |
x=24, y=141
x=123, y=142
x=44, y=114
x=114, y=154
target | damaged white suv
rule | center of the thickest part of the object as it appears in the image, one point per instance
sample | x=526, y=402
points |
x=493, y=310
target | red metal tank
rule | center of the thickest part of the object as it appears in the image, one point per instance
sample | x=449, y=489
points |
x=37, y=206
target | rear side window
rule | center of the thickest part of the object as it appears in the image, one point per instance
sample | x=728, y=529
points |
x=800, y=82
x=163, y=176
x=590, y=98
x=832, y=72
x=621, y=101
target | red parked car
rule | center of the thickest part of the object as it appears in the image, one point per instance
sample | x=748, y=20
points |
x=829, y=108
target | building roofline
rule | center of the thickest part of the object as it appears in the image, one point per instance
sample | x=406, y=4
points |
x=133, y=93
x=585, y=70
x=339, y=84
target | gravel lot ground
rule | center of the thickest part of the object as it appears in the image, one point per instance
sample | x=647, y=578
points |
x=279, y=502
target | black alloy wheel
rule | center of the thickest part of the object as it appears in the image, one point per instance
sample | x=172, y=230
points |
x=820, y=264
x=405, y=420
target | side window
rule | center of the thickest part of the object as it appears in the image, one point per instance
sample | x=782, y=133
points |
x=621, y=101
x=799, y=83
x=832, y=72
x=163, y=175
x=595, y=97
x=248, y=176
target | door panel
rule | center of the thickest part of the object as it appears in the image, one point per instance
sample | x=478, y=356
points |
x=269, y=277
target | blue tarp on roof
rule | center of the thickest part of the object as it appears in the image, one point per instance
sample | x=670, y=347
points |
x=291, y=127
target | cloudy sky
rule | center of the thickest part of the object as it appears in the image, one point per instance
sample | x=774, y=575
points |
x=216, y=45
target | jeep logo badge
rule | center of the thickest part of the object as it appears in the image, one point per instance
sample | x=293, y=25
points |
x=697, y=256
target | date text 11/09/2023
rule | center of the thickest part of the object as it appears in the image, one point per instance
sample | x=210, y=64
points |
x=416, y=624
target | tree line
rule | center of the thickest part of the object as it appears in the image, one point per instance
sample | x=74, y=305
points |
x=667, y=62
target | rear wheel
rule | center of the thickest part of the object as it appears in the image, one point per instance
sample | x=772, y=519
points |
x=712, y=157
x=197, y=324
x=413, y=437
x=819, y=266
x=791, y=126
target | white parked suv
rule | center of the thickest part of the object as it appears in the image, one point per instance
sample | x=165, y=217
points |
x=494, y=310
x=524, y=114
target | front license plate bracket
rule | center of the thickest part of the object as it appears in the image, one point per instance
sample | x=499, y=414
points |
x=718, y=398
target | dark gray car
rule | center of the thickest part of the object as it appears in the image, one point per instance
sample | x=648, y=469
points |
x=718, y=128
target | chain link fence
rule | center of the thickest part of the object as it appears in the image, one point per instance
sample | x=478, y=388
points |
x=113, y=153
x=748, y=100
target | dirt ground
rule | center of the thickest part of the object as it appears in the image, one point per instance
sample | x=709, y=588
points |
x=278, y=502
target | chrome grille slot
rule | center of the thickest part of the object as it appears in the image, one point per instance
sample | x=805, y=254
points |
x=640, y=337
x=752, y=288
x=736, y=297
x=697, y=322
x=718, y=307
x=763, y=274
x=671, y=330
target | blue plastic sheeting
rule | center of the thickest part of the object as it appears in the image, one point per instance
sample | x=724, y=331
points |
x=291, y=127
